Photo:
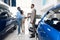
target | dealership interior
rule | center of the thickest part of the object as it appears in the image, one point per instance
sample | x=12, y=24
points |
x=40, y=19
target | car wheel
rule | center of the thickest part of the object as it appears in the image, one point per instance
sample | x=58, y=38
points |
x=14, y=28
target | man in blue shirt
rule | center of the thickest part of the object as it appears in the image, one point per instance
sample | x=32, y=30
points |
x=19, y=19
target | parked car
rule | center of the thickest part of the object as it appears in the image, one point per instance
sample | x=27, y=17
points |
x=6, y=21
x=49, y=26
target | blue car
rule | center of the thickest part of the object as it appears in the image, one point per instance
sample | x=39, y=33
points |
x=49, y=26
x=7, y=23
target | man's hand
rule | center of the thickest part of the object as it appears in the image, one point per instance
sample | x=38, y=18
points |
x=31, y=22
x=28, y=16
x=25, y=17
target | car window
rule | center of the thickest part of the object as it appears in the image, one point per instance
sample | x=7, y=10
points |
x=53, y=19
x=4, y=13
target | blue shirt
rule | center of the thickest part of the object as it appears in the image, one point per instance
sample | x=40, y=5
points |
x=18, y=15
x=19, y=18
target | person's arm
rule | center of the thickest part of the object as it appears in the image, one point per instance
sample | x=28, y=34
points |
x=26, y=17
x=29, y=15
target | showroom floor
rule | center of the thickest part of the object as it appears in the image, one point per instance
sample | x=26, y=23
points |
x=14, y=36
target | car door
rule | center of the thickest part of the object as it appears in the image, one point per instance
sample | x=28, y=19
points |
x=41, y=32
x=51, y=33
x=3, y=20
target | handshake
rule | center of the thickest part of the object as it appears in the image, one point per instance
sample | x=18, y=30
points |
x=28, y=16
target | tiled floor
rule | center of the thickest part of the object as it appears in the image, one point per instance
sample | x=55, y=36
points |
x=14, y=36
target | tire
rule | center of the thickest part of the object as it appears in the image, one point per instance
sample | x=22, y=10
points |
x=15, y=27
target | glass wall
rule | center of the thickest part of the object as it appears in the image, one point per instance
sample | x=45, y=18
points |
x=13, y=2
x=44, y=2
x=10, y=2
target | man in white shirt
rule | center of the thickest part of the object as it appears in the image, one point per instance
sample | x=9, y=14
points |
x=33, y=19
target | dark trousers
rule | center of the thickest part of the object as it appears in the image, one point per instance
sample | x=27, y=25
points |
x=19, y=25
x=34, y=30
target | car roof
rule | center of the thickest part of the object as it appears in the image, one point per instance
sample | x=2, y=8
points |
x=2, y=4
x=55, y=8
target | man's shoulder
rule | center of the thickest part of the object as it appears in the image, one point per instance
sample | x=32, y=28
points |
x=34, y=9
x=17, y=11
